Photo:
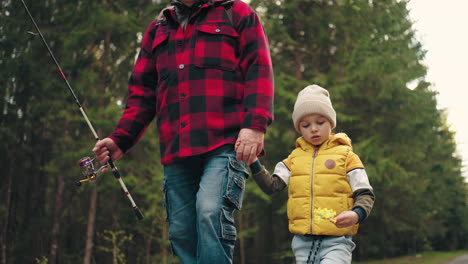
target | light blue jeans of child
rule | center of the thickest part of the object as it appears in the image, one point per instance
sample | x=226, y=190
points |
x=201, y=194
x=312, y=249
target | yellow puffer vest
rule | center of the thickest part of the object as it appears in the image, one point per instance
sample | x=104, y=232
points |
x=318, y=187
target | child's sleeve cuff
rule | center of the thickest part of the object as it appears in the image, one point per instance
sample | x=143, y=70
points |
x=256, y=167
x=361, y=213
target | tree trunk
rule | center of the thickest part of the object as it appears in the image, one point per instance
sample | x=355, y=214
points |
x=240, y=222
x=148, y=243
x=298, y=56
x=115, y=250
x=165, y=233
x=55, y=233
x=7, y=214
x=299, y=64
x=91, y=224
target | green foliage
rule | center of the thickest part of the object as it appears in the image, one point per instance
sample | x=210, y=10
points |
x=114, y=242
x=365, y=53
x=42, y=260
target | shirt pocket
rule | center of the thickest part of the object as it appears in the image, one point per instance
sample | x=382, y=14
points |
x=160, y=52
x=216, y=47
x=162, y=65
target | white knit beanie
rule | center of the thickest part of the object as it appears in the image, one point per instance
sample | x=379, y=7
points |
x=313, y=100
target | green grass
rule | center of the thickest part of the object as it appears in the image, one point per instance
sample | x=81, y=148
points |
x=423, y=258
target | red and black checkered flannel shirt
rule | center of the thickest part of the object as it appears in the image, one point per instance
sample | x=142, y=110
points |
x=203, y=83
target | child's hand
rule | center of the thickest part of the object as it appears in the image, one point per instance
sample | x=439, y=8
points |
x=346, y=219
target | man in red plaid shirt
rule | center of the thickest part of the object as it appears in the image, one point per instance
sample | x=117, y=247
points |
x=204, y=71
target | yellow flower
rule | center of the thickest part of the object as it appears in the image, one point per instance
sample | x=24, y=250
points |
x=322, y=214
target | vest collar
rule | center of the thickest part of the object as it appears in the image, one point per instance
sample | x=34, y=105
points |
x=334, y=140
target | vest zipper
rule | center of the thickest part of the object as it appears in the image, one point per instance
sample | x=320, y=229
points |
x=312, y=189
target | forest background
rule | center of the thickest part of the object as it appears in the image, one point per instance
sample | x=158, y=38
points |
x=365, y=52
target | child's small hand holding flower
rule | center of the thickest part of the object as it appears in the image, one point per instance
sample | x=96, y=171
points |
x=346, y=219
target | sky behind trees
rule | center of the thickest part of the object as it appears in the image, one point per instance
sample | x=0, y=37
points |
x=440, y=28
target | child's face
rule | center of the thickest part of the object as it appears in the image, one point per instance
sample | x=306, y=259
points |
x=315, y=129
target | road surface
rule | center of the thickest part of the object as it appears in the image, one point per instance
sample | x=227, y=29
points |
x=463, y=259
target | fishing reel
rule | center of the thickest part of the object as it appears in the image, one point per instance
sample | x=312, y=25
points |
x=87, y=169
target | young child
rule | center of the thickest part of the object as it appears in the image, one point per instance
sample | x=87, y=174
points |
x=328, y=190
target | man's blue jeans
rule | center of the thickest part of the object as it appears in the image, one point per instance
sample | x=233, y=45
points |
x=201, y=194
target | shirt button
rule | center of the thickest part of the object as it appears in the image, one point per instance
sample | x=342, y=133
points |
x=182, y=95
x=182, y=124
x=217, y=30
x=181, y=66
x=179, y=43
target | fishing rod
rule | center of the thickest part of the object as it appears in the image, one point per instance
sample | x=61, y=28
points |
x=86, y=164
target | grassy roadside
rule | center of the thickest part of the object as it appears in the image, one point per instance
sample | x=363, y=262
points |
x=433, y=257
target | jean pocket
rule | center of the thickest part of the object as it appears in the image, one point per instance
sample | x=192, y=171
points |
x=235, y=188
x=228, y=230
